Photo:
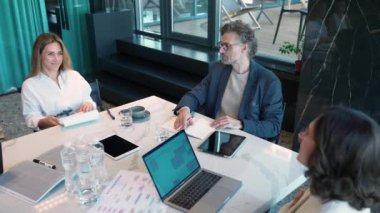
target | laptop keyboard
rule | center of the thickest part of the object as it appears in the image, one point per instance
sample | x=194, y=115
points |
x=194, y=191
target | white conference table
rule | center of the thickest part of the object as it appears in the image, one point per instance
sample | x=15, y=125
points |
x=268, y=171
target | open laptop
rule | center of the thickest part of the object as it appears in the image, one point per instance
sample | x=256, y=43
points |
x=182, y=183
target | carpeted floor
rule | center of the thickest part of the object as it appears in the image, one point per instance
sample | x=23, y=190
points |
x=11, y=120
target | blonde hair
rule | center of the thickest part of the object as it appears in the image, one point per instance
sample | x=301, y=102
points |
x=39, y=45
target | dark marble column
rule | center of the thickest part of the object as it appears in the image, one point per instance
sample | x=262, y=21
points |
x=341, y=59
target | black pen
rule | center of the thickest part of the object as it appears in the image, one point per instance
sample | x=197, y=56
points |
x=51, y=166
x=110, y=114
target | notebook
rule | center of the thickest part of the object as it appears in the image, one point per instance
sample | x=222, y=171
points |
x=201, y=128
x=79, y=118
x=30, y=181
x=175, y=171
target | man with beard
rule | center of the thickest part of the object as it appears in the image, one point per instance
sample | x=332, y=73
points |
x=238, y=93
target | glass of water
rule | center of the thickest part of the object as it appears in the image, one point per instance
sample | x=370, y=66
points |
x=86, y=183
x=126, y=119
x=98, y=165
x=69, y=164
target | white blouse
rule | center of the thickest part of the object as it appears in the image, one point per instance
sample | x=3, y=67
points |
x=309, y=203
x=41, y=96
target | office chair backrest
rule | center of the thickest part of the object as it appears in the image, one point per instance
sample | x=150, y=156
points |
x=277, y=139
x=95, y=94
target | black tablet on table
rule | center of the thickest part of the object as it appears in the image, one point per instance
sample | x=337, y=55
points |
x=222, y=144
x=117, y=147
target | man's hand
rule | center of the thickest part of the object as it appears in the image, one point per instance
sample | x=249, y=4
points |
x=86, y=107
x=226, y=122
x=184, y=119
x=47, y=122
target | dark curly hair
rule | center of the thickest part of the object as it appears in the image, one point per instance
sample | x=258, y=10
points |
x=245, y=33
x=345, y=163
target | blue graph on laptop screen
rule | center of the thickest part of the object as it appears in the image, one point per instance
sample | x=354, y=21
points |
x=171, y=163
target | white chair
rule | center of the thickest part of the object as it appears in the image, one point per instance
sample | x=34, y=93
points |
x=233, y=8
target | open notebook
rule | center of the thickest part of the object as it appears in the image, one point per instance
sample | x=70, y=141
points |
x=30, y=181
x=201, y=128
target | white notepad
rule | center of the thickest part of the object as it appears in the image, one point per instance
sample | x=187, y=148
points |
x=79, y=118
x=201, y=128
x=30, y=181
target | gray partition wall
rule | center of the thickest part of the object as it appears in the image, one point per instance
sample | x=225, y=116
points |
x=105, y=28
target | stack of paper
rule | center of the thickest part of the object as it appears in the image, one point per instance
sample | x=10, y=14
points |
x=129, y=191
x=30, y=181
x=201, y=128
x=79, y=118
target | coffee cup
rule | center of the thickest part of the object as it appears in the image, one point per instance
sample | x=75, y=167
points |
x=138, y=112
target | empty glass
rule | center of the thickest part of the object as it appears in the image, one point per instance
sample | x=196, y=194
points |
x=126, y=119
x=162, y=134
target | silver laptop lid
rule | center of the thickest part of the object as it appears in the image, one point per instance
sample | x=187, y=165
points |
x=171, y=164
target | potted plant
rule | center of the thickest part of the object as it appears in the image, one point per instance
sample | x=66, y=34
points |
x=289, y=48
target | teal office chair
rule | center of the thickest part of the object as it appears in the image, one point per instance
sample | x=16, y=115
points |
x=95, y=94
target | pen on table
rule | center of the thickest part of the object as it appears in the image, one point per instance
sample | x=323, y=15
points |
x=51, y=166
x=110, y=114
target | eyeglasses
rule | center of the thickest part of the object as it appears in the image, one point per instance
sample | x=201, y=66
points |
x=226, y=46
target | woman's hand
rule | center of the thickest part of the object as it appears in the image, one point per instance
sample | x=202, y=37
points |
x=47, y=122
x=86, y=107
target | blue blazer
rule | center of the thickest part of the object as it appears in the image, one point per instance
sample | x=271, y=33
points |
x=261, y=105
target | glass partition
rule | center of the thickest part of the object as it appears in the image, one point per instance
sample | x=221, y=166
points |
x=149, y=19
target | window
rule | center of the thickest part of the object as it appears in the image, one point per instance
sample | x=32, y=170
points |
x=185, y=20
x=199, y=21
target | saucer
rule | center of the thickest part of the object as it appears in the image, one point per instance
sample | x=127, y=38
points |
x=141, y=119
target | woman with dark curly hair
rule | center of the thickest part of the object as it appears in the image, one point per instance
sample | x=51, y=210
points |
x=341, y=149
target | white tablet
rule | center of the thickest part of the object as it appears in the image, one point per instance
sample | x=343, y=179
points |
x=117, y=147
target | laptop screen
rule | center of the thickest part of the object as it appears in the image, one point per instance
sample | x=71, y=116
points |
x=171, y=163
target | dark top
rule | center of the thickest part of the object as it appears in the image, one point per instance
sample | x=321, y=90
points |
x=261, y=105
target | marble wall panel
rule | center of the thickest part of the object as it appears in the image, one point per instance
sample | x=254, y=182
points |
x=341, y=59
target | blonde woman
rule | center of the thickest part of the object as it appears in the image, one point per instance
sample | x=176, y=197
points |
x=53, y=89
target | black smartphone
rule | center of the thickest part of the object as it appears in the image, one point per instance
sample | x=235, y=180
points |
x=222, y=144
x=117, y=147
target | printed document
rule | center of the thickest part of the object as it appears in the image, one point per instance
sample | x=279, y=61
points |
x=129, y=191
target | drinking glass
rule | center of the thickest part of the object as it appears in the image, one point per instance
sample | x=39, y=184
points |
x=69, y=164
x=98, y=165
x=162, y=134
x=126, y=119
x=86, y=181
